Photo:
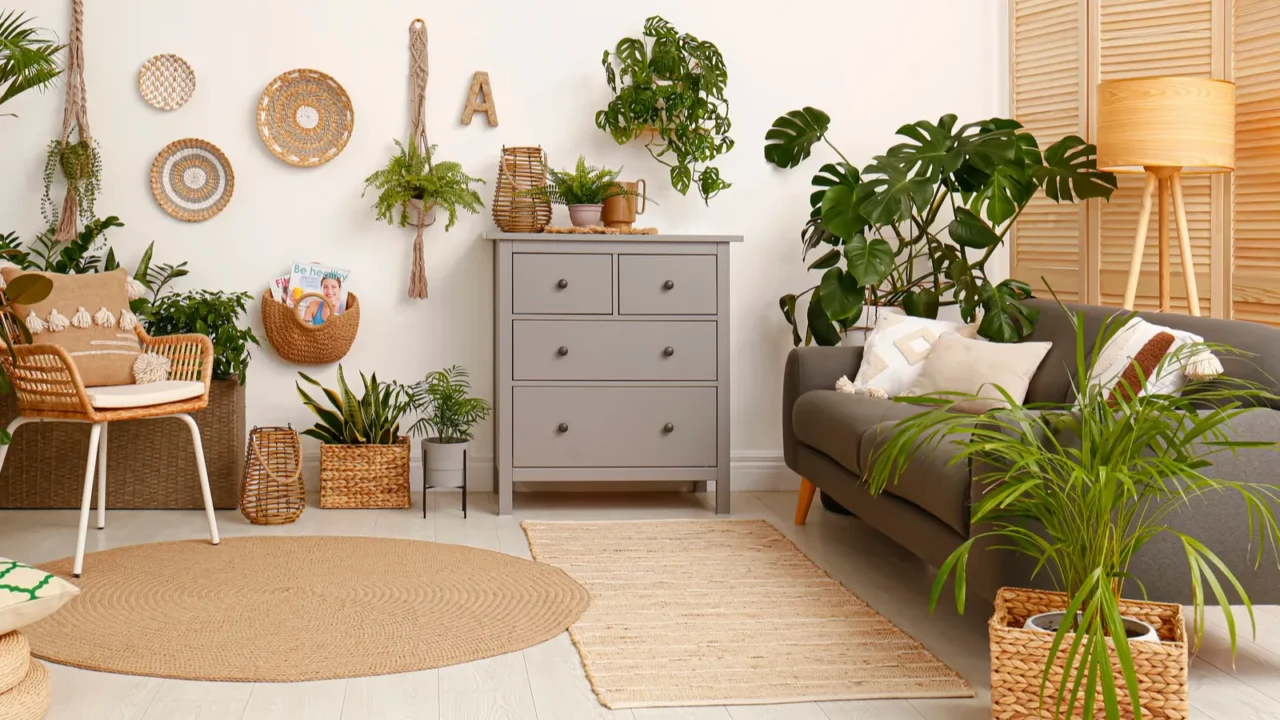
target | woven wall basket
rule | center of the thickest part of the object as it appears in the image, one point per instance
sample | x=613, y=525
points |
x=305, y=344
x=1018, y=659
x=192, y=180
x=272, y=491
x=305, y=117
x=521, y=169
x=166, y=82
x=365, y=476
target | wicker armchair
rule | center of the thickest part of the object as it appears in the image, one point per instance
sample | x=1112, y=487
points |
x=49, y=389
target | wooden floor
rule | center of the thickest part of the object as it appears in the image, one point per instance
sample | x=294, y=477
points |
x=546, y=682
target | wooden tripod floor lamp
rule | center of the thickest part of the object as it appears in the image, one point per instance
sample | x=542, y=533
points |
x=1166, y=127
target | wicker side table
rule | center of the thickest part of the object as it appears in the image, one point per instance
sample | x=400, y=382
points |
x=272, y=491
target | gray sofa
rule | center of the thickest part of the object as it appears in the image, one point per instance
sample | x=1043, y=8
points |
x=829, y=439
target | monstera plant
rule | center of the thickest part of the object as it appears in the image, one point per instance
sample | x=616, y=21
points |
x=916, y=227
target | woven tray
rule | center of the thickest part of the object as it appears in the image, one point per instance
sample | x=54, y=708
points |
x=305, y=117
x=299, y=342
x=166, y=81
x=1018, y=659
x=365, y=476
x=598, y=230
x=192, y=180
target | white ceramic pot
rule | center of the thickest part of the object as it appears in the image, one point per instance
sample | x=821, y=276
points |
x=1049, y=622
x=585, y=215
x=416, y=211
x=442, y=463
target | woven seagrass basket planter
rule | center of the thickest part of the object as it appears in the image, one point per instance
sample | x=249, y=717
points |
x=306, y=344
x=365, y=476
x=1018, y=659
x=151, y=464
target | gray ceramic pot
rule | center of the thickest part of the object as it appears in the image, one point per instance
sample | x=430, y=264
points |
x=442, y=463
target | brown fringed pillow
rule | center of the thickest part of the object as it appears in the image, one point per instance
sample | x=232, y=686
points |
x=1147, y=360
x=89, y=317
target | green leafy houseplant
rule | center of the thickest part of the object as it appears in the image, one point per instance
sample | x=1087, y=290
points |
x=27, y=60
x=371, y=419
x=80, y=163
x=411, y=174
x=584, y=185
x=443, y=398
x=215, y=314
x=1081, y=489
x=671, y=85
x=892, y=245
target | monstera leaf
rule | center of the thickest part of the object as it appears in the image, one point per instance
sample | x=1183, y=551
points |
x=820, y=326
x=1004, y=318
x=869, y=261
x=829, y=176
x=922, y=303
x=843, y=207
x=792, y=136
x=896, y=193
x=970, y=231
x=787, y=303
x=1070, y=172
x=933, y=151
x=842, y=295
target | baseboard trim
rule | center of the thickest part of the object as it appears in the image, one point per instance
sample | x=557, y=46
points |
x=753, y=471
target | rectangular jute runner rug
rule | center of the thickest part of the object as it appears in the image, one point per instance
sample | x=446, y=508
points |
x=725, y=612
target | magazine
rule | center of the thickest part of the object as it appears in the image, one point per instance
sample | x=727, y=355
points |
x=280, y=290
x=307, y=281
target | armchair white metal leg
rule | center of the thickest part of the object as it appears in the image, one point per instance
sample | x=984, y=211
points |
x=86, y=498
x=204, y=477
x=102, y=478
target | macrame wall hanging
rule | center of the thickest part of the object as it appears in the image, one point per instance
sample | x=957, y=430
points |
x=78, y=160
x=419, y=70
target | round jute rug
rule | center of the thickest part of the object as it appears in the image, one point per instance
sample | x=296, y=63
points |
x=291, y=608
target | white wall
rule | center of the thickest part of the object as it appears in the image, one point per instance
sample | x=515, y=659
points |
x=871, y=64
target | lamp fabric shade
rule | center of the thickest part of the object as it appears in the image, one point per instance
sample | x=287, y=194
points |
x=1166, y=122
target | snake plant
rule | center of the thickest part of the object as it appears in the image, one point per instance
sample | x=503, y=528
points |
x=371, y=419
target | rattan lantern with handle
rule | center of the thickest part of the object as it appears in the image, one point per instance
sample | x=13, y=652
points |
x=272, y=491
x=1166, y=127
x=519, y=170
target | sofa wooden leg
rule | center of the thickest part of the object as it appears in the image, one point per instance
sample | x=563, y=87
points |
x=807, y=491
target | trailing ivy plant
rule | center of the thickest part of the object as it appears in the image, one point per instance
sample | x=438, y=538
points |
x=916, y=227
x=411, y=174
x=80, y=164
x=216, y=314
x=671, y=85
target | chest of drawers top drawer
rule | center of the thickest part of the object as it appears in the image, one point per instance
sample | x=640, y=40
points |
x=667, y=284
x=562, y=284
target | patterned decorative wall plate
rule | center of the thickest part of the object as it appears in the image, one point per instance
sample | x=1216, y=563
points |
x=305, y=118
x=166, y=82
x=192, y=180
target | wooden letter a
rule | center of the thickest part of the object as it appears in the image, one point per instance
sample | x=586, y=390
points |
x=480, y=86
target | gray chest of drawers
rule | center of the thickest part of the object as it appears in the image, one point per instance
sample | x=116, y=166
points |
x=611, y=359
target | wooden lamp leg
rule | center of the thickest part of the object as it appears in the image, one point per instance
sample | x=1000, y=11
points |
x=1184, y=246
x=1139, y=243
x=807, y=491
x=1163, y=216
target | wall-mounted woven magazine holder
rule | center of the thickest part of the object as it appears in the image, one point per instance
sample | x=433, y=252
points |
x=301, y=342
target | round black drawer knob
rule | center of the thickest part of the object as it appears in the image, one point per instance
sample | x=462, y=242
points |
x=668, y=285
x=669, y=351
x=562, y=351
x=564, y=427
x=668, y=428
x=562, y=284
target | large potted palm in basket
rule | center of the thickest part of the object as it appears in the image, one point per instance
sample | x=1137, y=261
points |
x=364, y=460
x=1079, y=488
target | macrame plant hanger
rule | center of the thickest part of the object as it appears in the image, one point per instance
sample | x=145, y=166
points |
x=75, y=114
x=419, y=70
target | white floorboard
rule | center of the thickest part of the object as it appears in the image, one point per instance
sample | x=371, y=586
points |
x=546, y=682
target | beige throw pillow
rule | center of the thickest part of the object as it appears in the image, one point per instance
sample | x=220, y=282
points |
x=958, y=364
x=88, y=316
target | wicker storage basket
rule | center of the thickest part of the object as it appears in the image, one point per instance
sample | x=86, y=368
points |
x=305, y=344
x=272, y=491
x=151, y=464
x=365, y=476
x=1018, y=659
x=520, y=169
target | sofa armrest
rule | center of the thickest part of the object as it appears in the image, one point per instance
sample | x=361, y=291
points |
x=812, y=368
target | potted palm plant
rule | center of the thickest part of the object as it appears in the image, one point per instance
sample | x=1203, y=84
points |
x=413, y=184
x=583, y=190
x=449, y=413
x=1080, y=489
x=364, y=460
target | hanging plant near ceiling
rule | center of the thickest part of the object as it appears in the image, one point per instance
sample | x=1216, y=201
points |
x=670, y=87
x=79, y=159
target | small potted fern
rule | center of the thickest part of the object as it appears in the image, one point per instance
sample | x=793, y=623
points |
x=449, y=412
x=583, y=190
x=364, y=460
x=413, y=184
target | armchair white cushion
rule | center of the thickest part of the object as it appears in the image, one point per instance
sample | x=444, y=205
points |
x=110, y=397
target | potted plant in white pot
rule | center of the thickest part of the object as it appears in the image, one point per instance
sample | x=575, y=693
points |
x=1079, y=489
x=583, y=190
x=449, y=413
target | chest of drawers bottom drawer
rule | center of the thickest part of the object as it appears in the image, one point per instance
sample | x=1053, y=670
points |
x=614, y=426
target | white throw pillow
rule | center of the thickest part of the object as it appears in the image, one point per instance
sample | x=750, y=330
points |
x=959, y=364
x=28, y=594
x=1127, y=344
x=896, y=350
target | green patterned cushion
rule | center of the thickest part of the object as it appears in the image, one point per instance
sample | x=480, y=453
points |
x=28, y=594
